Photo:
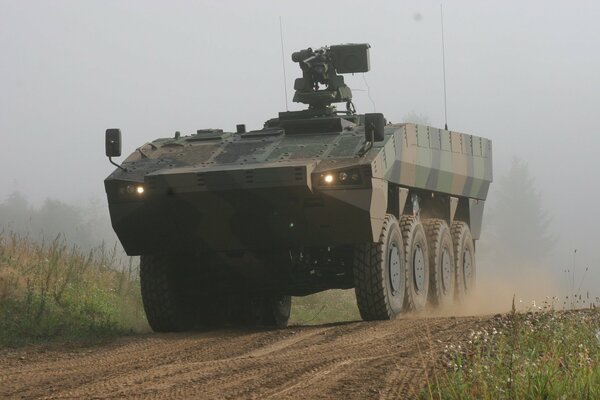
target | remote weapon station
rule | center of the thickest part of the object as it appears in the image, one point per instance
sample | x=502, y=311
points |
x=230, y=225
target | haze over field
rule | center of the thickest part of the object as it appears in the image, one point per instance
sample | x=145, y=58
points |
x=524, y=74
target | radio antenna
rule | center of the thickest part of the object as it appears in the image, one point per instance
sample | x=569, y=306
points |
x=283, y=64
x=444, y=68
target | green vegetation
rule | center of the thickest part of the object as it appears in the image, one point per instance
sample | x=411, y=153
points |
x=324, y=307
x=49, y=291
x=545, y=354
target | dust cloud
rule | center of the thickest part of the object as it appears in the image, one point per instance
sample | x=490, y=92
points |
x=530, y=290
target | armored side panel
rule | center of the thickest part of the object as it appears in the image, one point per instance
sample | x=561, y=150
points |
x=438, y=160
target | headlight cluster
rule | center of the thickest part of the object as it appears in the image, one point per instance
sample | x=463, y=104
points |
x=132, y=190
x=346, y=177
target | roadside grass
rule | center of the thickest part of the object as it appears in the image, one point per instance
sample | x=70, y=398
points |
x=325, y=307
x=50, y=292
x=541, y=354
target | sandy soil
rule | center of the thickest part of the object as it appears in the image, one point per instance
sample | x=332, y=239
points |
x=379, y=360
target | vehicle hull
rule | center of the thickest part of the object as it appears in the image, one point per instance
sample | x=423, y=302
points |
x=242, y=220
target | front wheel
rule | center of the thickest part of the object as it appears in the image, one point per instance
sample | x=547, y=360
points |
x=379, y=274
x=165, y=306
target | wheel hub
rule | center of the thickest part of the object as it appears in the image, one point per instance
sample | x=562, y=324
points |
x=446, y=270
x=419, y=268
x=395, y=269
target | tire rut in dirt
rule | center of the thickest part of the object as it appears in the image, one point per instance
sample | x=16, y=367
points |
x=388, y=359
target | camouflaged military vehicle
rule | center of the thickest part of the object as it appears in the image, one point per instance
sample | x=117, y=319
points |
x=230, y=225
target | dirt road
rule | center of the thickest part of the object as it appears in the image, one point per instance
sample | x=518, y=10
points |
x=380, y=360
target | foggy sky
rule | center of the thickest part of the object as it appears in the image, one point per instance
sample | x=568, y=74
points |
x=524, y=74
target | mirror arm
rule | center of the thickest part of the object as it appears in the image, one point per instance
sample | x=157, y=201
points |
x=115, y=164
x=371, y=141
x=368, y=145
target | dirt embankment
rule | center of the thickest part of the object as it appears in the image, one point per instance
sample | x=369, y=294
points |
x=382, y=360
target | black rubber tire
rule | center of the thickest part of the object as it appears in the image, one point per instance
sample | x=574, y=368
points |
x=463, y=246
x=416, y=261
x=166, y=309
x=442, y=277
x=265, y=311
x=376, y=296
x=276, y=312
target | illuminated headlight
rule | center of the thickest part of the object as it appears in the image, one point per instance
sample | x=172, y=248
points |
x=132, y=190
x=347, y=177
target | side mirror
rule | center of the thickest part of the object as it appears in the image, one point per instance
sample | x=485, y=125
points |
x=374, y=126
x=113, y=142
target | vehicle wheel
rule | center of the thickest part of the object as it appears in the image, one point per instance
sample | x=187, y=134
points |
x=464, y=256
x=379, y=274
x=269, y=311
x=163, y=302
x=417, y=262
x=276, y=311
x=442, y=277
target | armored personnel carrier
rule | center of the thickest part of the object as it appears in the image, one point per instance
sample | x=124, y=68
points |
x=230, y=225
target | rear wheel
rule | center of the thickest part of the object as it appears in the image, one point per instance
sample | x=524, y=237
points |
x=417, y=262
x=464, y=256
x=442, y=278
x=269, y=311
x=379, y=274
x=277, y=311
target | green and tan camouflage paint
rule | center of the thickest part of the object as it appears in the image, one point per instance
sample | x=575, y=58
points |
x=200, y=170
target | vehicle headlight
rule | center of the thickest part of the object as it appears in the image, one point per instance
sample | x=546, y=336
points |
x=346, y=177
x=132, y=190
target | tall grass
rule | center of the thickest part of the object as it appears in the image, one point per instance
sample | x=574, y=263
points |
x=51, y=291
x=540, y=354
